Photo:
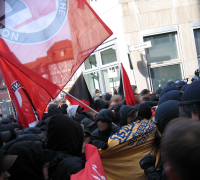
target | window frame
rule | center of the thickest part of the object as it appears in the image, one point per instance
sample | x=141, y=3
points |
x=195, y=25
x=157, y=31
x=100, y=66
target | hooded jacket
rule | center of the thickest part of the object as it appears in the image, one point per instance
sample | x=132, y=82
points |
x=8, y=127
x=71, y=111
x=65, y=137
x=123, y=113
x=99, y=138
x=31, y=130
x=29, y=162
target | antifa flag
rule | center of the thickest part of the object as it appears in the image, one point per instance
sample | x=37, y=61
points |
x=44, y=46
x=80, y=91
x=93, y=166
x=129, y=95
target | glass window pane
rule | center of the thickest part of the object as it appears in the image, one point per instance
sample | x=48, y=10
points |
x=92, y=81
x=161, y=75
x=197, y=40
x=108, y=56
x=111, y=78
x=163, y=48
x=90, y=62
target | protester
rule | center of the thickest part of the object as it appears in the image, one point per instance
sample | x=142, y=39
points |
x=106, y=97
x=105, y=128
x=127, y=115
x=95, y=94
x=72, y=111
x=180, y=149
x=64, y=144
x=165, y=113
x=145, y=111
x=6, y=162
x=145, y=94
x=91, y=125
x=64, y=108
x=116, y=99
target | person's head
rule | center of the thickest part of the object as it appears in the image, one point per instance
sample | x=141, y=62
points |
x=170, y=95
x=115, y=99
x=145, y=93
x=64, y=108
x=167, y=89
x=89, y=124
x=145, y=111
x=180, y=84
x=6, y=162
x=104, y=119
x=158, y=91
x=190, y=101
x=106, y=97
x=64, y=134
x=127, y=114
x=86, y=136
x=53, y=109
x=169, y=83
x=180, y=149
x=166, y=112
x=139, y=99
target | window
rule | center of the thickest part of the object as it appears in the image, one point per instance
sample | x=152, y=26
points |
x=111, y=78
x=102, y=69
x=108, y=56
x=7, y=98
x=1, y=91
x=3, y=99
x=161, y=75
x=164, y=47
x=92, y=81
x=6, y=91
x=197, y=40
x=3, y=83
x=90, y=62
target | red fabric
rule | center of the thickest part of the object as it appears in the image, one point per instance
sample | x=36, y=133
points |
x=23, y=106
x=129, y=95
x=57, y=57
x=46, y=45
x=93, y=166
x=74, y=102
x=153, y=112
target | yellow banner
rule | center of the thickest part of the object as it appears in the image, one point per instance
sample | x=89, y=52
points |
x=126, y=148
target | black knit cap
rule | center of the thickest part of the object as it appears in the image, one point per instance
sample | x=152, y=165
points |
x=145, y=111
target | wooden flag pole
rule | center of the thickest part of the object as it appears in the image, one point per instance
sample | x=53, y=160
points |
x=80, y=101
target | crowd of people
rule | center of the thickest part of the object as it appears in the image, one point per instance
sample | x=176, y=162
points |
x=55, y=148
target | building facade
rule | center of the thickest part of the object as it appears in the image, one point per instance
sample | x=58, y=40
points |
x=172, y=26
x=4, y=96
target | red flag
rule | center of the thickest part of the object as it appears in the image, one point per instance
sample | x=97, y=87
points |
x=48, y=42
x=93, y=166
x=129, y=95
x=80, y=91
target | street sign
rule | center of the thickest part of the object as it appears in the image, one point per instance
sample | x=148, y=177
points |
x=137, y=47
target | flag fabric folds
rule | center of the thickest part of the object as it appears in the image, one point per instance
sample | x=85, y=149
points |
x=47, y=43
x=127, y=147
x=129, y=95
x=93, y=166
x=80, y=91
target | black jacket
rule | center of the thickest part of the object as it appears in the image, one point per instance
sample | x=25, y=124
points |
x=100, y=139
x=62, y=165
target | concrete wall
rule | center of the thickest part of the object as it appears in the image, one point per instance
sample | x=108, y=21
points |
x=141, y=15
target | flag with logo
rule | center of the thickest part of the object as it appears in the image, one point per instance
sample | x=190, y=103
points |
x=129, y=95
x=93, y=167
x=47, y=41
x=80, y=91
x=127, y=147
